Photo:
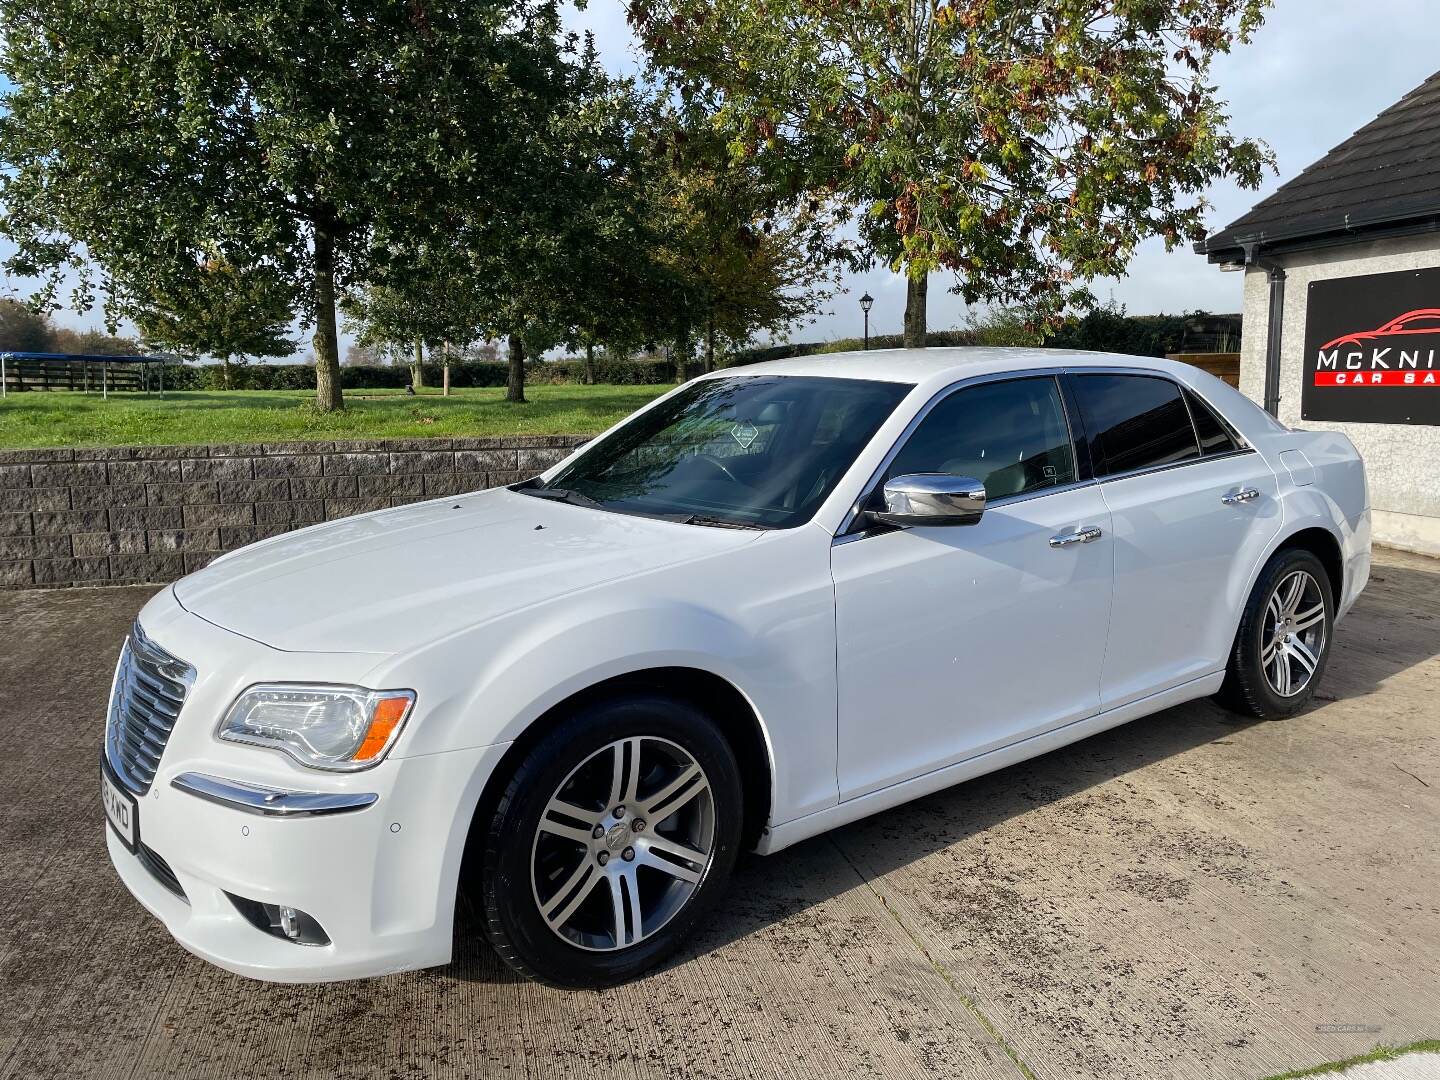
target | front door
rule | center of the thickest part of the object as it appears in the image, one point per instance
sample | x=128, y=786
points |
x=952, y=641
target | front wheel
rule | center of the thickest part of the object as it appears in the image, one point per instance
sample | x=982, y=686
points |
x=1284, y=638
x=616, y=832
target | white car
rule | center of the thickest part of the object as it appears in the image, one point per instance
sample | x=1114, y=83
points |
x=778, y=599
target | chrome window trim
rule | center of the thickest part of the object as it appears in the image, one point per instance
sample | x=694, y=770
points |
x=849, y=532
x=1174, y=465
x=268, y=801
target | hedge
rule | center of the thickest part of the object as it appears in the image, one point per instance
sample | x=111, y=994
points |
x=1106, y=329
x=376, y=377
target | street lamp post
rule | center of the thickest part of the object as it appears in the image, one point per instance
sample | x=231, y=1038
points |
x=866, y=300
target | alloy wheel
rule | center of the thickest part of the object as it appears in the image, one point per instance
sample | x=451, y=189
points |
x=623, y=843
x=1292, y=635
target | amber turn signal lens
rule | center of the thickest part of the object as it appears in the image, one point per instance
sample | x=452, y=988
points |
x=388, y=714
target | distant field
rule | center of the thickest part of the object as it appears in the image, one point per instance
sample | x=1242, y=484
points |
x=62, y=418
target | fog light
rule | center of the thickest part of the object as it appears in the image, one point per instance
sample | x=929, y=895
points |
x=281, y=920
x=290, y=923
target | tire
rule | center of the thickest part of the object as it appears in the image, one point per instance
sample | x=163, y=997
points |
x=566, y=907
x=1265, y=655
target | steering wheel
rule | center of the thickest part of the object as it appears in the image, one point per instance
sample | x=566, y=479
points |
x=716, y=463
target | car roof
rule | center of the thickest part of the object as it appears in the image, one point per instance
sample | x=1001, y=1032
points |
x=922, y=366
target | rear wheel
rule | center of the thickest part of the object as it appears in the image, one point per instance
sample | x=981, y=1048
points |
x=617, y=831
x=1283, y=642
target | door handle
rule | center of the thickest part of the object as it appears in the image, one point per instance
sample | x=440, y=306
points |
x=1244, y=495
x=1087, y=535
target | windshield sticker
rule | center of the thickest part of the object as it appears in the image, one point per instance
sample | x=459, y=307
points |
x=745, y=433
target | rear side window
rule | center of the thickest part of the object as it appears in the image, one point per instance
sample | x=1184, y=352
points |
x=1215, y=438
x=1135, y=422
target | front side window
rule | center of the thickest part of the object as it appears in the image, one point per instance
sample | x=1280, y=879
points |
x=752, y=451
x=1011, y=436
x=1135, y=422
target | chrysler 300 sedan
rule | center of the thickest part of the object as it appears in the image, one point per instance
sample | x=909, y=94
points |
x=775, y=600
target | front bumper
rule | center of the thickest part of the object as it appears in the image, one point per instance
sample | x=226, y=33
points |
x=380, y=879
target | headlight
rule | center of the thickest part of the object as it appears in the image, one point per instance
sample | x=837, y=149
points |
x=325, y=727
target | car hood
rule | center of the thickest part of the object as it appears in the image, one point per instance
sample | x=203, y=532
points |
x=389, y=581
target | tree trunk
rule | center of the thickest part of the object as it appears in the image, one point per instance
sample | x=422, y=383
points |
x=589, y=363
x=915, y=312
x=226, y=371
x=445, y=374
x=417, y=373
x=683, y=347
x=326, y=341
x=515, y=384
x=709, y=344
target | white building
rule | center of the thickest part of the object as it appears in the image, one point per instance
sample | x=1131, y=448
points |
x=1342, y=307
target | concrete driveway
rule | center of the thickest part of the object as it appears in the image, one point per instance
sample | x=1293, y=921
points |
x=1188, y=896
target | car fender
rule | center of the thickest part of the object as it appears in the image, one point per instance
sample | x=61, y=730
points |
x=1311, y=504
x=773, y=643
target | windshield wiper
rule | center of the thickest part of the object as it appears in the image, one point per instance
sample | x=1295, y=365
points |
x=560, y=495
x=718, y=523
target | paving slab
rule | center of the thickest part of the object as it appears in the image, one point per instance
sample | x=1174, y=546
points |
x=1191, y=895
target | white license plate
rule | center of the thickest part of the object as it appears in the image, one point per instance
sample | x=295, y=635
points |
x=121, y=810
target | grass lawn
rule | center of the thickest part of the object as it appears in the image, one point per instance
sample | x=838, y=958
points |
x=1379, y=1054
x=65, y=418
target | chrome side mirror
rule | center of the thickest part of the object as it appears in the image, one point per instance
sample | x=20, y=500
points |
x=931, y=499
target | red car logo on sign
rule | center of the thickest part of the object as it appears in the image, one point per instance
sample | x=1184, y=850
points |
x=1423, y=321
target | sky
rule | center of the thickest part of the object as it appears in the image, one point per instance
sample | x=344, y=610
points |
x=1314, y=73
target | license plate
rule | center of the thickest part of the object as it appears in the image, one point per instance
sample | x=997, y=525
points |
x=121, y=810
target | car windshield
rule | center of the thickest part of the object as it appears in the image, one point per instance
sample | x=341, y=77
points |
x=753, y=451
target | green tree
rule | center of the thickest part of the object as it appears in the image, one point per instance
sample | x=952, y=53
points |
x=219, y=312
x=309, y=144
x=98, y=342
x=1004, y=327
x=512, y=269
x=753, y=266
x=574, y=265
x=619, y=289
x=436, y=301
x=1027, y=146
x=22, y=329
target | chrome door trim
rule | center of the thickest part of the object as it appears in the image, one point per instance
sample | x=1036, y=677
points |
x=268, y=801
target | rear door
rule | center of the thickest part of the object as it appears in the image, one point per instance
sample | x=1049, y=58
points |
x=1192, y=511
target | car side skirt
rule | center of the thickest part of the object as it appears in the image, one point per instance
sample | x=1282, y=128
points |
x=779, y=837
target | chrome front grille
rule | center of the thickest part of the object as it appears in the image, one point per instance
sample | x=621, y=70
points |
x=150, y=688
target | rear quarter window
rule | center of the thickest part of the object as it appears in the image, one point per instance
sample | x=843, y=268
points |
x=1214, y=436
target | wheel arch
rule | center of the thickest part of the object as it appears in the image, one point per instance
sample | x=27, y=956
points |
x=738, y=719
x=1325, y=546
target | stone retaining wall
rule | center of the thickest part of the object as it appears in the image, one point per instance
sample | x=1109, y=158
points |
x=154, y=513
